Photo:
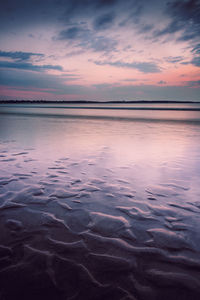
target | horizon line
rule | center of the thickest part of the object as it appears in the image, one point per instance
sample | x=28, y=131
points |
x=97, y=101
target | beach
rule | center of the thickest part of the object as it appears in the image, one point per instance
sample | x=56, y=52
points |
x=99, y=203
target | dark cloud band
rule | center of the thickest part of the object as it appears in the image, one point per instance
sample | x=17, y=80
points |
x=18, y=55
x=144, y=67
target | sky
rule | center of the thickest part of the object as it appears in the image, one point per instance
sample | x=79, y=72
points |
x=100, y=50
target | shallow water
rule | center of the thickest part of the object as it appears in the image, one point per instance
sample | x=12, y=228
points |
x=128, y=111
x=99, y=208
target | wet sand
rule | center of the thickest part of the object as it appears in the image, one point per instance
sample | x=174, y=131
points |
x=99, y=209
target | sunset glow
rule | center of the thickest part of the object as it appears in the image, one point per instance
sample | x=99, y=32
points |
x=100, y=50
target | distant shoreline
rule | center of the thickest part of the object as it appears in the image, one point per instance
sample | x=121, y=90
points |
x=97, y=102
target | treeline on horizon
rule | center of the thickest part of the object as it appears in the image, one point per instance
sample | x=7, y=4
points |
x=93, y=101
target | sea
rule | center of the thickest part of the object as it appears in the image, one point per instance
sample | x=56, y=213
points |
x=100, y=201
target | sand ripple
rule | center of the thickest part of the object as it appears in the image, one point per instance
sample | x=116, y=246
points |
x=70, y=231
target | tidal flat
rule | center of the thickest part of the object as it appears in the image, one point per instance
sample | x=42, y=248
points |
x=99, y=208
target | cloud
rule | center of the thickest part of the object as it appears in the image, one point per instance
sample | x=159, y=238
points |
x=184, y=15
x=15, y=14
x=28, y=66
x=99, y=13
x=87, y=39
x=188, y=36
x=19, y=55
x=21, y=61
x=87, y=8
x=149, y=92
x=74, y=53
x=162, y=82
x=173, y=27
x=196, y=49
x=195, y=84
x=22, y=79
x=174, y=59
x=73, y=33
x=104, y=21
x=184, y=18
x=144, y=67
x=184, y=26
x=132, y=79
x=101, y=44
x=196, y=61
x=144, y=28
x=104, y=27
x=103, y=86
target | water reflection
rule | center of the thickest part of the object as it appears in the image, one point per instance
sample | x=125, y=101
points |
x=165, y=111
x=95, y=209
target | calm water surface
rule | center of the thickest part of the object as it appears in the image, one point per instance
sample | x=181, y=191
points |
x=99, y=205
